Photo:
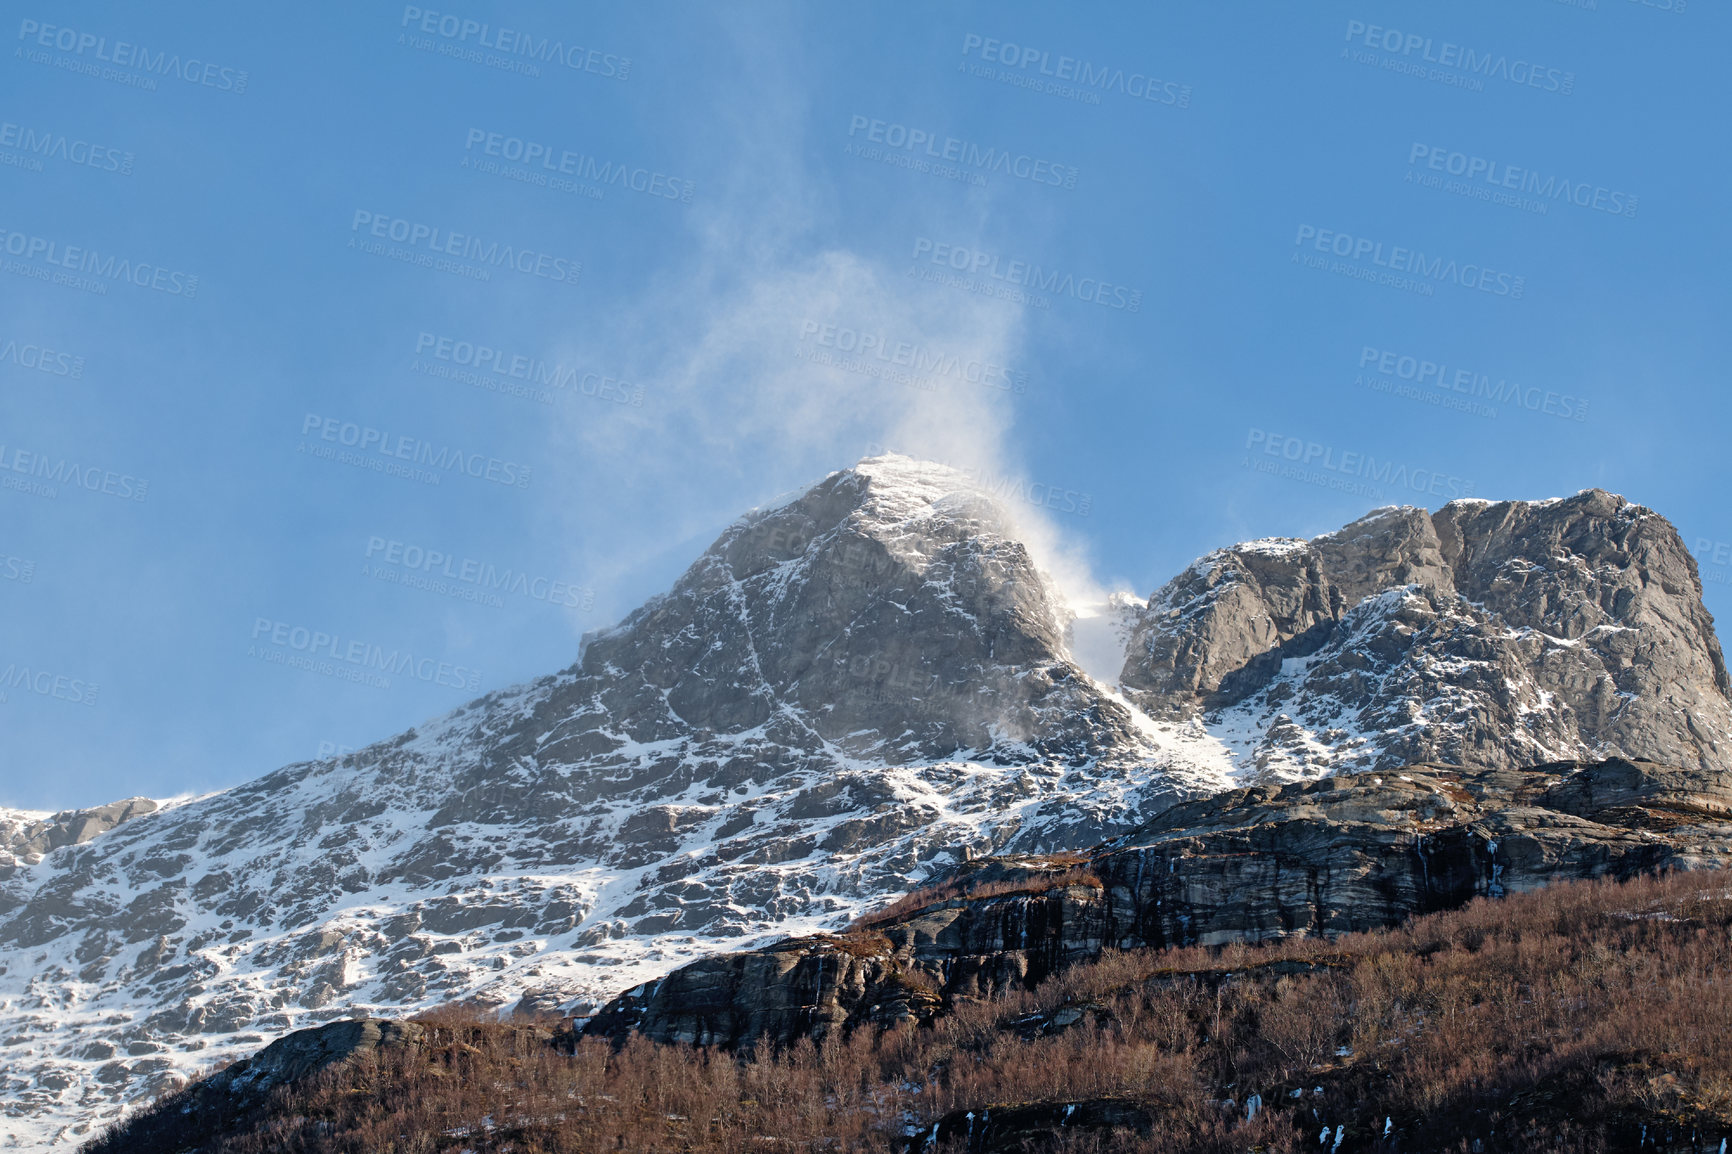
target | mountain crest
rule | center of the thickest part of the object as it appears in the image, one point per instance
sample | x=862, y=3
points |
x=1490, y=633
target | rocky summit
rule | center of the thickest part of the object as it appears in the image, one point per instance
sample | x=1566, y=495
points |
x=848, y=695
x=1499, y=634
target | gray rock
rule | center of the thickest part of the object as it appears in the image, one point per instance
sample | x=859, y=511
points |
x=305, y=1052
x=26, y=837
x=1488, y=634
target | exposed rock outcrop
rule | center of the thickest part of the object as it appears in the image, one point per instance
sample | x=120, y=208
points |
x=1343, y=854
x=25, y=837
x=1501, y=634
x=224, y=1102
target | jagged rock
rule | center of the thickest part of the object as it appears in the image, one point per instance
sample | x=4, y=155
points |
x=26, y=836
x=1327, y=857
x=897, y=973
x=845, y=693
x=1498, y=634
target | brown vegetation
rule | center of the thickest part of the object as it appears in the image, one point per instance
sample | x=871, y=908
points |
x=1584, y=1017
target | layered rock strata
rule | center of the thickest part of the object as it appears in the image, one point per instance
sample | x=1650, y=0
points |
x=1328, y=857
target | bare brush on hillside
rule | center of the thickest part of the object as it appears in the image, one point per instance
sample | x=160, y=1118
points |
x=1585, y=1017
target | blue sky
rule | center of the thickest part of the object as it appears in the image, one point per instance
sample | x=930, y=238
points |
x=502, y=312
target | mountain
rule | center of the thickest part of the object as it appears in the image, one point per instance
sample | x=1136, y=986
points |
x=846, y=695
x=1498, y=634
x=843, y=693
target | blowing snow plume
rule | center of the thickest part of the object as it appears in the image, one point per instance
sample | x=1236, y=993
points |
x=774, y=355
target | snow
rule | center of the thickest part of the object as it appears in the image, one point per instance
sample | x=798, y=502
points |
x=1274, y=546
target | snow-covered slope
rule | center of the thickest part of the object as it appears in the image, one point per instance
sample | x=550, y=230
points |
x=844, y=694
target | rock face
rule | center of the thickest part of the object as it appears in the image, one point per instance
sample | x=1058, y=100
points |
x=25, y=837
x=1338, y=855
x=306, y=1052
x=1486, y=634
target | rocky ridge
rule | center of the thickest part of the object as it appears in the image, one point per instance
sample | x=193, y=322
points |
x=26, y=835
x=1496, y=634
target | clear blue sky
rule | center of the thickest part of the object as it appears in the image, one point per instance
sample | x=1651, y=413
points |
x=1216, y=269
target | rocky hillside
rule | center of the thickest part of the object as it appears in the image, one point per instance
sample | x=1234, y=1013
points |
x=847, y=695
x=1584, y=1016
x=1320, y=859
